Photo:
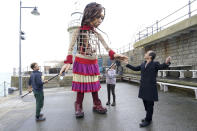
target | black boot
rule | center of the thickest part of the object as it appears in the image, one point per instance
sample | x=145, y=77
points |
x=145, y=123
x=41, y=115
x=113, y=104
x=108, y=103
x=38, y=119
x=143, y=120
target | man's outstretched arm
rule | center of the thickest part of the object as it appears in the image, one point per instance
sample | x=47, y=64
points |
x=135, y=68
x=164, y=65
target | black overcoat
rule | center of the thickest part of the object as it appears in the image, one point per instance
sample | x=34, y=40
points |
x=148, y=86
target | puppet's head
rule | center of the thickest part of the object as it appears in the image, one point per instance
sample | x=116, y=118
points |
x=93, y=15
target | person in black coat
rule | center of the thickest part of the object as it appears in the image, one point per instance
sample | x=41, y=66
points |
x=148, y=87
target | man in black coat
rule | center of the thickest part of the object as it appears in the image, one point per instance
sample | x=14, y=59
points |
x=148, y=87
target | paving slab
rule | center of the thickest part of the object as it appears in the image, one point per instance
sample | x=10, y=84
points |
x=173, y=112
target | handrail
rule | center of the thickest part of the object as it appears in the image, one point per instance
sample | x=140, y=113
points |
x=4, y=89
x=145, y=32
x=155, y=28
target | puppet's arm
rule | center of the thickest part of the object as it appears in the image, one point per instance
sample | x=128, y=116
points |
x=70, y=49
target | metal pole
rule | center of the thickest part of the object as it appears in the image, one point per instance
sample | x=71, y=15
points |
x=20, y=78
x=4, y=89
x=152, y=30
x=147, y=31
x=189, y=9
x=157, y=25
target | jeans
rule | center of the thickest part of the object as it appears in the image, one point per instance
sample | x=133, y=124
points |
x=111, y=87
x=39, y=96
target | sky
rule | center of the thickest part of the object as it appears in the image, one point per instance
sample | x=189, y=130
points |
x=47, y=37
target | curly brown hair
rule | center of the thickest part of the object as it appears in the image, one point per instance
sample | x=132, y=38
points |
x=92, y=10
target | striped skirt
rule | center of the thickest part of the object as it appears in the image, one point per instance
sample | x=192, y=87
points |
x=85, y=75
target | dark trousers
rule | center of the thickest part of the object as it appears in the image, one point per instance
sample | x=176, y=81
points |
x=148, y=105
x=80, y=97
x=39, y=95
x=111, y=87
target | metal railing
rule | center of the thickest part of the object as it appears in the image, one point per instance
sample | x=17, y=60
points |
x=124, y=48
x=161, y=24
x=4, y=88
x=74, y=23
x=76, y=19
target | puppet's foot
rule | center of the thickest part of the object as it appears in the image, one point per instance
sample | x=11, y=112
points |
x=99, y=108
x=79, y=110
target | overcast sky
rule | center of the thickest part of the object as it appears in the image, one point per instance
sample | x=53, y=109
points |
x=47, y=36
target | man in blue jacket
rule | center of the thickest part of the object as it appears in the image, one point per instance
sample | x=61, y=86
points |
x=148, y=87
x=36, y=83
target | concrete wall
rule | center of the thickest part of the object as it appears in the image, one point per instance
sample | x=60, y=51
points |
x=174, y=30
x=56, y=82
x=15, y=82
x=178, y=41
x=182, y=49
x=136, y=57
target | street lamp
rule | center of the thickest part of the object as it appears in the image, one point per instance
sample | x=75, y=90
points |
x=21, y=37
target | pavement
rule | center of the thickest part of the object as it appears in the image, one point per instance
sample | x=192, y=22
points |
x=173, y=112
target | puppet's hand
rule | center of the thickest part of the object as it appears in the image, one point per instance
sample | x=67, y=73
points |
x=64, y=68
x=120, y=57
x=126, y=61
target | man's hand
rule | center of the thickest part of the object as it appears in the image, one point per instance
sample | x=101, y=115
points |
x=168, y=59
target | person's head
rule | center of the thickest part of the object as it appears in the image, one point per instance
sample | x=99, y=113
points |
x=34, y=66
x=93, y=15
x=150, y=55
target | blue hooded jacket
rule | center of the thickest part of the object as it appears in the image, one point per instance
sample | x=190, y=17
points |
x=35, y=81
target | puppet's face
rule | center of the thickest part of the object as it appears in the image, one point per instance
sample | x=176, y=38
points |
x=98, y=20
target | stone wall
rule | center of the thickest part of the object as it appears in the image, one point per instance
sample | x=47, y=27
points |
x=15, y=81
x=136, y=57
x=56, y=82
x=182, y=49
